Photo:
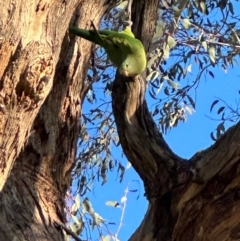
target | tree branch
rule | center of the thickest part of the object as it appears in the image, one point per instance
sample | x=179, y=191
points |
x=140, y=138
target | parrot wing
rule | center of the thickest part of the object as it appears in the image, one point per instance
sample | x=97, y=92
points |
x=121, y=39
x=118, y=41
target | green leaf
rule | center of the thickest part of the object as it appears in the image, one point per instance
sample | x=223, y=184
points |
x=204, y=44
x=171, y=42
x=110, y=164
x=221, y=127
x=211, y=73
x=87, y=206
x=112, y=204
x=189, y=110
x=187, y=56
x=173, y=84
x=115, y=239
x=211, y=52
x=203, y=7
x=158, y=31
x=73, y=228
x=213, y=137
x=230, y=5
x=219, y=134
x=77, y=226
x=122, y=5
x=224, y=68
x=106, y=238
x=213, y=104
x=156, y=111
x=191, y=101
x=151, y=61
x=166, y=50
x=75, y=219
x=166, y=91
x=97, y=220
x=173, y=121
x=222, y=4
x=74, y=209
x=221, y=109
x=186, y=23
x=121, y=168
x=152, y=95
x=232, y=25
x=77, y=201
x=152, y=76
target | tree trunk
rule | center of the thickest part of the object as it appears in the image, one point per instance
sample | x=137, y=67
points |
x=42, y=87
x=189, y=200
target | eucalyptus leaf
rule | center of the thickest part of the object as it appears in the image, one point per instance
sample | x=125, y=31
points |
x=204, y=44
x=87, y=206
x=106, y=238
x=171, y=42
x=159, y=31
x=152, y=76
x=122, y=5
x=77, y=201
x=211, y=52
x=112, y=204
x=173, y=84
x=213, y=104
x=186, y=23
x=203, y=7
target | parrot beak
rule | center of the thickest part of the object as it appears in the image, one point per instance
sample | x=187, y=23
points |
x=125, y=73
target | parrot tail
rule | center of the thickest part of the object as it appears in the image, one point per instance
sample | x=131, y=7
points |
x=86, y=34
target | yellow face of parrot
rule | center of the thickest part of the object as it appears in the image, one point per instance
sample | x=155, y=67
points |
x=132, y=66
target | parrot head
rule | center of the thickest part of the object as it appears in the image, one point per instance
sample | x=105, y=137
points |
x=125, y=69
x=132, y=67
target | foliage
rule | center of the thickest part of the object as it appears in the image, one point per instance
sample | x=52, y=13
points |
x=204, y=34
x=226, y=114
x=82, y=216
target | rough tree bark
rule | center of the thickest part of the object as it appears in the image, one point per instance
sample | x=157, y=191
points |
x=42, y=87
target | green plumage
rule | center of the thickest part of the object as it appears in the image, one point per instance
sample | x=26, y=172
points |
x=123, y=49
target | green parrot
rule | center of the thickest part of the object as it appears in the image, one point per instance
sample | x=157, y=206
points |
x=123, y=49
